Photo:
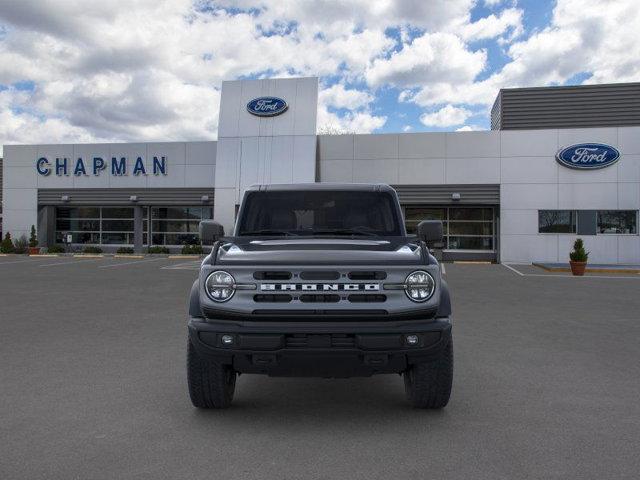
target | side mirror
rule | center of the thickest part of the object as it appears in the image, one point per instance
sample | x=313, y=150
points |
x=430, y=231
x=210, y=232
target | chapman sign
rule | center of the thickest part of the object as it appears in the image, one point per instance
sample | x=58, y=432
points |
x=588, y=156
x=267, y=106
x=96, y=165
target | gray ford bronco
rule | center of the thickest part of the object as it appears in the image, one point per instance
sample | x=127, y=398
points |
x=320, y=280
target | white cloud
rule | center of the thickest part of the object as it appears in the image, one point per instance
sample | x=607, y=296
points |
x=433, y=57
x=469, y=128
x=351, y=122
x=509, y=20
x=338, y=96
x=583, y=37
x=407, y=128
x=447, y=116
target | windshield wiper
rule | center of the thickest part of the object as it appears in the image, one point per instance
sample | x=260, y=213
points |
x=347, y=231
x=270, y=232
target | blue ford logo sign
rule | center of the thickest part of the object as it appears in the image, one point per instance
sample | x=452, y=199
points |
x=588, y=156
x=267, y=106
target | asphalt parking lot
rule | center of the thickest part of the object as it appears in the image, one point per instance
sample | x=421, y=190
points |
x=93, y=386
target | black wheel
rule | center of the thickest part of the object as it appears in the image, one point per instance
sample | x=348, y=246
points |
x=211, y=384
x=428, y=384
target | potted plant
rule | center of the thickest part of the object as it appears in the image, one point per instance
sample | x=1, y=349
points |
x=7, y=244
x=33, y=242
x=578, y=258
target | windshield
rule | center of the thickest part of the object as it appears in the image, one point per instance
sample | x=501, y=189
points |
x=334, y=213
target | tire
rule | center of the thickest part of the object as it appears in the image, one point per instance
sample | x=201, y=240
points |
x=428, y=384
x=211, y=384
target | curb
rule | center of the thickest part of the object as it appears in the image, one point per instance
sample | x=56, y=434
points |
x=590, y=270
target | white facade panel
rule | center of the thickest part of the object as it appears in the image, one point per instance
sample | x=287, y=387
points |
x=21, y=177
x=375, y=147
x=473, y=144
x=571, y=136
x=516, y=196
x=529, y=143
x=375, y=171
x=519, y=222
x=336, y=171
x=429, y=171
x=587, y=196
x=472, y=170
x=629, y=169
x=304, y=158
x=528, y=248
x=20, y=156
x=336, y=147
x=628, y=196
x=530, y=170
x=427, y=145
x=628, y=249
x=629, y=140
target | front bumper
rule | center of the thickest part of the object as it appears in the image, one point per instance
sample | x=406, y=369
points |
x=319, y=349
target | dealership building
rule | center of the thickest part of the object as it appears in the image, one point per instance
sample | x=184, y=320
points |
x=559, y=162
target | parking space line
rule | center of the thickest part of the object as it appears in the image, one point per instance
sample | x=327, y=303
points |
x=31, y=259
x=513, y=269
x=444, y=270
x=130, y=263
x=70, y=262
x=183, y=266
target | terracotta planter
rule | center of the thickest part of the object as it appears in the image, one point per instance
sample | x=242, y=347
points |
x=34, y=250
x=578, y=268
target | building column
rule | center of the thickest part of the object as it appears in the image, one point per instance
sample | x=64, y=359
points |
x=138, y=228
x=46, y=229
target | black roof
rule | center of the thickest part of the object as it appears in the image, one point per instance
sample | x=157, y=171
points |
x=288, y=187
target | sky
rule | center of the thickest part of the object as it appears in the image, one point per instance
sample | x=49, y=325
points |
x=77, y=71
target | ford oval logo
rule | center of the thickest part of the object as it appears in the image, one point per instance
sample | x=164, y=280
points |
x=588, y=156
x=267, y=106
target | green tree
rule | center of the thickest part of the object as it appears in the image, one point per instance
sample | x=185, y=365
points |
x=579, y=254
x=7, y=244
x=33, y=239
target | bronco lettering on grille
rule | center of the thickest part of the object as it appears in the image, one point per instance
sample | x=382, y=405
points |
x=320, y=287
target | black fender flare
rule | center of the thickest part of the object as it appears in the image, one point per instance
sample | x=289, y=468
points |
x=194, y=300
x=444, y=308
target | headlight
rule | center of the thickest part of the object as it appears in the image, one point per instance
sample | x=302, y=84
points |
x=220, y=286
x=419, y=286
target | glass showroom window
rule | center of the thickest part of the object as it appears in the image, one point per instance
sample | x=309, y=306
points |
x=82, y=223
x=556, y=221
x=618, y=221
x=95, y=225
x=464, y=228
x=177, y=225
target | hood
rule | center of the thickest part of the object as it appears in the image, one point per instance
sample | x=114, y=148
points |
x=319, y=251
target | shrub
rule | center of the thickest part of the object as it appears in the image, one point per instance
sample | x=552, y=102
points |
x=125, y=250
x=55, y=249
x=7, y=244
x=92, y=249
x=192, y=249
x=158, y=249
x=579, y=254
x=33, y=238
x=21, y=244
